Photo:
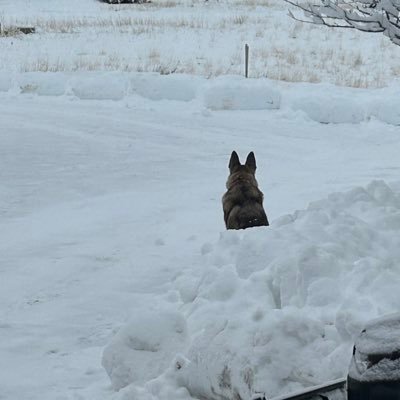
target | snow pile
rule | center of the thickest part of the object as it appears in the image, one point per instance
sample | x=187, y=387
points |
x=99, y=87
x=5, y=82
x=384, y=108
x=151, y=339
x=159, y=87
x=330, y=104
x=319, y=102
x=377, y=351
x=234, y=93
x=42, y=84
x=276, y=309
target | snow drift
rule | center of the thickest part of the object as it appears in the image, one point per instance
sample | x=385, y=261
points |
x=319, y=102
x=234, y=93
x=272, y=309
x=152, y=339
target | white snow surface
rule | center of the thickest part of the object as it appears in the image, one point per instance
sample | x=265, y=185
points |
x=118, y=278
x=380, y=337
x=114, y=252
x=324, y=103
x=279, y=307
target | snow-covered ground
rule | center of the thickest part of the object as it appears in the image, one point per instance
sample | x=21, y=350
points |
x=111, y=212
x=116, y=270
x=191, y=36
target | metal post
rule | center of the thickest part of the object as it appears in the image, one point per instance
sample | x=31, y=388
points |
x=246, y=60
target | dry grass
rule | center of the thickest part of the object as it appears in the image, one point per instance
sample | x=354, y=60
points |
x=280, y=71
x=43, y=65
x=154, y=5
x=109, y=63
x=10, y=32
x=124, y=24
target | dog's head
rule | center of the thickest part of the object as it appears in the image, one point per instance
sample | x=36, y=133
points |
x=239, y=172
x=248, y=168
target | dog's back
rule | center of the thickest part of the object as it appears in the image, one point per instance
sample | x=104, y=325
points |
x=243, y=201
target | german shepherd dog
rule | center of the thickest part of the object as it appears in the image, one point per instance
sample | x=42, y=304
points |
x=243, y=201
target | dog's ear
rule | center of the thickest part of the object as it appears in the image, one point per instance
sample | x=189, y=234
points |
x=234, y=161
x=251, y=161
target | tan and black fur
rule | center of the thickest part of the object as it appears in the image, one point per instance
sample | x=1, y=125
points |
x=243, y=201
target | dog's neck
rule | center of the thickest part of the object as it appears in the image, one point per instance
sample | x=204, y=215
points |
x=239, y=180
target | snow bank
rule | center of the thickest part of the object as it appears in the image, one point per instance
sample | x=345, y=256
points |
x=319, y=102
x=42, y=84
x=234, y=93
x=383, y=106
x=99, y=87
x=277, y=309
x=151, y=339
x=159, y=87
x=329, y=104
x=5, y=82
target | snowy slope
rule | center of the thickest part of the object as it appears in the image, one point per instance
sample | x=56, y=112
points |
x=110, y=212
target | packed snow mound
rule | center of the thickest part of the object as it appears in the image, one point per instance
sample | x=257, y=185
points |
x=331, y=107
x=384, y=109
x=5, y=82
x=42, y=84
x=234, y=93
x=380, y=336
x=275, y=309
x=99, y=87
x=377, y=350
x=158, y=87
x=151, y=339
x=319, y=102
